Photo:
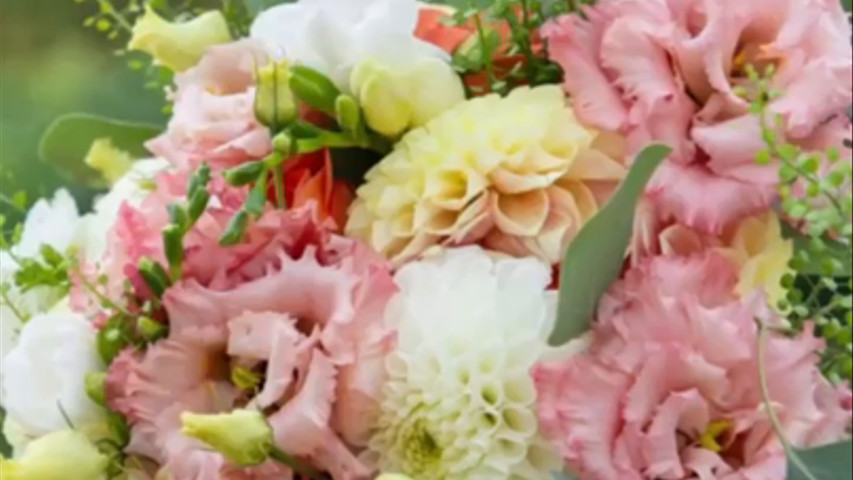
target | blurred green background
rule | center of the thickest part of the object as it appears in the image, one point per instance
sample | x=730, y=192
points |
x=49, y=65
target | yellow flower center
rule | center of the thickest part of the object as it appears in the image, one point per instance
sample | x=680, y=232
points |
x=710, y=439
x=420, y=449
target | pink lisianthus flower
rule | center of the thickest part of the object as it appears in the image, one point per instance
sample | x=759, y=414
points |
x=298, y=306
x=669, y=386
x=667, y=70
x=214, y=119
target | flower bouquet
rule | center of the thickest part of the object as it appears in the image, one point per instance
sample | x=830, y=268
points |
x=489, y=240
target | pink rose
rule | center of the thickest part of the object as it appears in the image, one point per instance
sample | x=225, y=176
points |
x=669, y=387
x=297, y=305
x=666, y=70
x=214, y=119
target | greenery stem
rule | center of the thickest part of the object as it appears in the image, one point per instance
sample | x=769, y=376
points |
x=4, y=295
x=768, y=402
x=485, y=51
x=103, y=298
x=278, y=172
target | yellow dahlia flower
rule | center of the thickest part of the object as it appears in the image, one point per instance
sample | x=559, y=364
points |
x=519, y=174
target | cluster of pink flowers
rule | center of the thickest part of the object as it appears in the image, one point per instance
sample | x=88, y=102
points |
x=669, y=387
x=669, y=70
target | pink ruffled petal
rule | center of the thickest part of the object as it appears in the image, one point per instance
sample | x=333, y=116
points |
x=300, y=426
x=697, y=197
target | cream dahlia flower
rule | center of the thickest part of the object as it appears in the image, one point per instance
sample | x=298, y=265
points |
x=519, y=174
x=460, y=401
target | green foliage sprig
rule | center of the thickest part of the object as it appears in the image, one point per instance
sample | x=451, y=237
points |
x=523, y=19
x=815, y=191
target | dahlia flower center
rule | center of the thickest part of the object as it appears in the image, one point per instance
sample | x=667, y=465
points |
x=421, y=451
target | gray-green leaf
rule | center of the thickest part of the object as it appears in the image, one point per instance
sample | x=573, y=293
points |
x=595, y=257
x=68, y=139
x=832, y=462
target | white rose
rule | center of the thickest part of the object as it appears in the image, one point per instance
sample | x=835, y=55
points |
x=333, y=37
x=44, y=374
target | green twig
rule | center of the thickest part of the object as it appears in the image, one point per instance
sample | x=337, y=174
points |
x=4, y=295
x=278, y=171
x=768, y=403
x=103, y=298
x=485, y=51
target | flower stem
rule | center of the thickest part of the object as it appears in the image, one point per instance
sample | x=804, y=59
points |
x=8, y=302
x=768, y=403
x=278, y=171
x=100, y=296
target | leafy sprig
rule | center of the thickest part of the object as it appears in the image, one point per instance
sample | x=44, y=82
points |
x=815, y=191
x=506, y=48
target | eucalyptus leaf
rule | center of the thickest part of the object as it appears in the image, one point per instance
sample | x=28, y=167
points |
x=67, y=140
x=595, y=257
x=832, y=462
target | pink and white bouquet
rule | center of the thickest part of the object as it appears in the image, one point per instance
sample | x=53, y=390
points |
x=507, y=240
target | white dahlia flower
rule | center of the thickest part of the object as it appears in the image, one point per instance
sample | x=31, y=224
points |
x=460, y=401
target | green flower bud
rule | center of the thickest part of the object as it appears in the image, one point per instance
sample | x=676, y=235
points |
x=236, y=229
x=150, y=330
x=173, y=246
x=154, y=275
x=179, y=216
x=199, y=179
x=111, y=340
x=244, y=174
x=96, y=387
x=242, y=436
x=198, y=204
x=66, y=455
x=282, y=144
x=275, y=105
x=348, y=114
x=314, y=88
x=257, y=199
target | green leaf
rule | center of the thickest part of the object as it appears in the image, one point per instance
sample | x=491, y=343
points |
x=832, y=462
x=832, y=250
x=5, y=447
x=255, y=7
x=595, y=257
x=67, y=141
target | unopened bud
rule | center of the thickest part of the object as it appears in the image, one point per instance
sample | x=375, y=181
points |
x=95, y=383
x=314, y=88
x=243, y=174
x=236, y=229
x=275, y=105
x=242, y=436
